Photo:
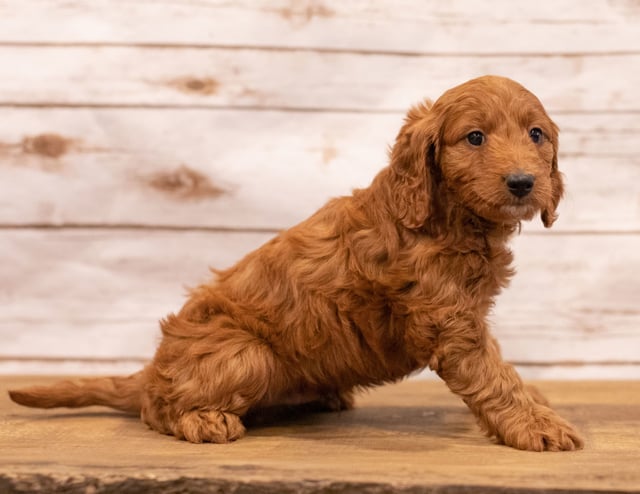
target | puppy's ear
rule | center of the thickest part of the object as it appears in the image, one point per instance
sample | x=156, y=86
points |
x=414, y=168
x=549, y=215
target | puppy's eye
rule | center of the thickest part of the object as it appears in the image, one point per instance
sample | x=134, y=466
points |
x=536, y=135
x=475, y=138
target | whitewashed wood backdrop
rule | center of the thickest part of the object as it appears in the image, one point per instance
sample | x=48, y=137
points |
x=143, y=141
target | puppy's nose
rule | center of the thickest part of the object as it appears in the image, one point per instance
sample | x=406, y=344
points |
x=520, y=184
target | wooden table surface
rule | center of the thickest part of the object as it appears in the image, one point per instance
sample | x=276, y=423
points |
x=411, y=437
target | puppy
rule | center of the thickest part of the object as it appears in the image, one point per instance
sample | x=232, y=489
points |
x=398, y=277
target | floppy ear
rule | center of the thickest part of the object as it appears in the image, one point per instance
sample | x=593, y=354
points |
x=549, y=215
x=413, y=167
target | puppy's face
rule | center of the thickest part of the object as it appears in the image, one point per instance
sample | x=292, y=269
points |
x=498, y=150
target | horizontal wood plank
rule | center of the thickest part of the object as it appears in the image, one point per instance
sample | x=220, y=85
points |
x=93, y=293
x=249, y=169
x=429, y=26
x=298, y=79
x=412, y=437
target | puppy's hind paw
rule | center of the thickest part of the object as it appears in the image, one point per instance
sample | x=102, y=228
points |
x=337, y=402
x=212, y=426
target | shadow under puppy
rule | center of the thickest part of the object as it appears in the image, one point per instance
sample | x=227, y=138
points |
x=398, y=277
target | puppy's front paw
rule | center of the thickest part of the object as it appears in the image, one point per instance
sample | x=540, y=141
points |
x=541, y=429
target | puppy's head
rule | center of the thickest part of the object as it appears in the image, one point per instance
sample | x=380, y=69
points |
x=490, y=144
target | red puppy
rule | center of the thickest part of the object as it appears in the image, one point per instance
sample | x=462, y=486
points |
x=398, y=277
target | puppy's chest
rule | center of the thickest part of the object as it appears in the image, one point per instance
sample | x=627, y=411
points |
x=487, y=267
x=481, y=274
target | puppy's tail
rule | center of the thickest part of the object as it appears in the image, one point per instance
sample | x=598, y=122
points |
x=121, y=393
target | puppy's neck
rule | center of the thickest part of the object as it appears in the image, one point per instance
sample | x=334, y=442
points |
x=453, y=222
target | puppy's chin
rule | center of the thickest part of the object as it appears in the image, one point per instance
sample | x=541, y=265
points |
x=509, y=213
x=518, y=212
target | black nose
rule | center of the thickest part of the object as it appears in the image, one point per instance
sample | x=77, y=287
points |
x=520, y=184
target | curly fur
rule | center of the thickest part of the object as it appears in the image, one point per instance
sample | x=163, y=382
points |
x=397, y=277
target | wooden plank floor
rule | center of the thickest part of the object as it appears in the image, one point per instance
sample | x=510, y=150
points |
x=410, y=437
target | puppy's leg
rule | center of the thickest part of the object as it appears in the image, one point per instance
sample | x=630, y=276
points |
x=200, y=387
x=334, y=401
x=469, y=361
x=338, y=401
x=537, y=395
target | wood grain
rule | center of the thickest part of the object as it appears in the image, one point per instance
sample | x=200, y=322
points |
x=257, y=169
x=430, y=26
x=249, y=78
x=100, y=293
x=414, y=437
